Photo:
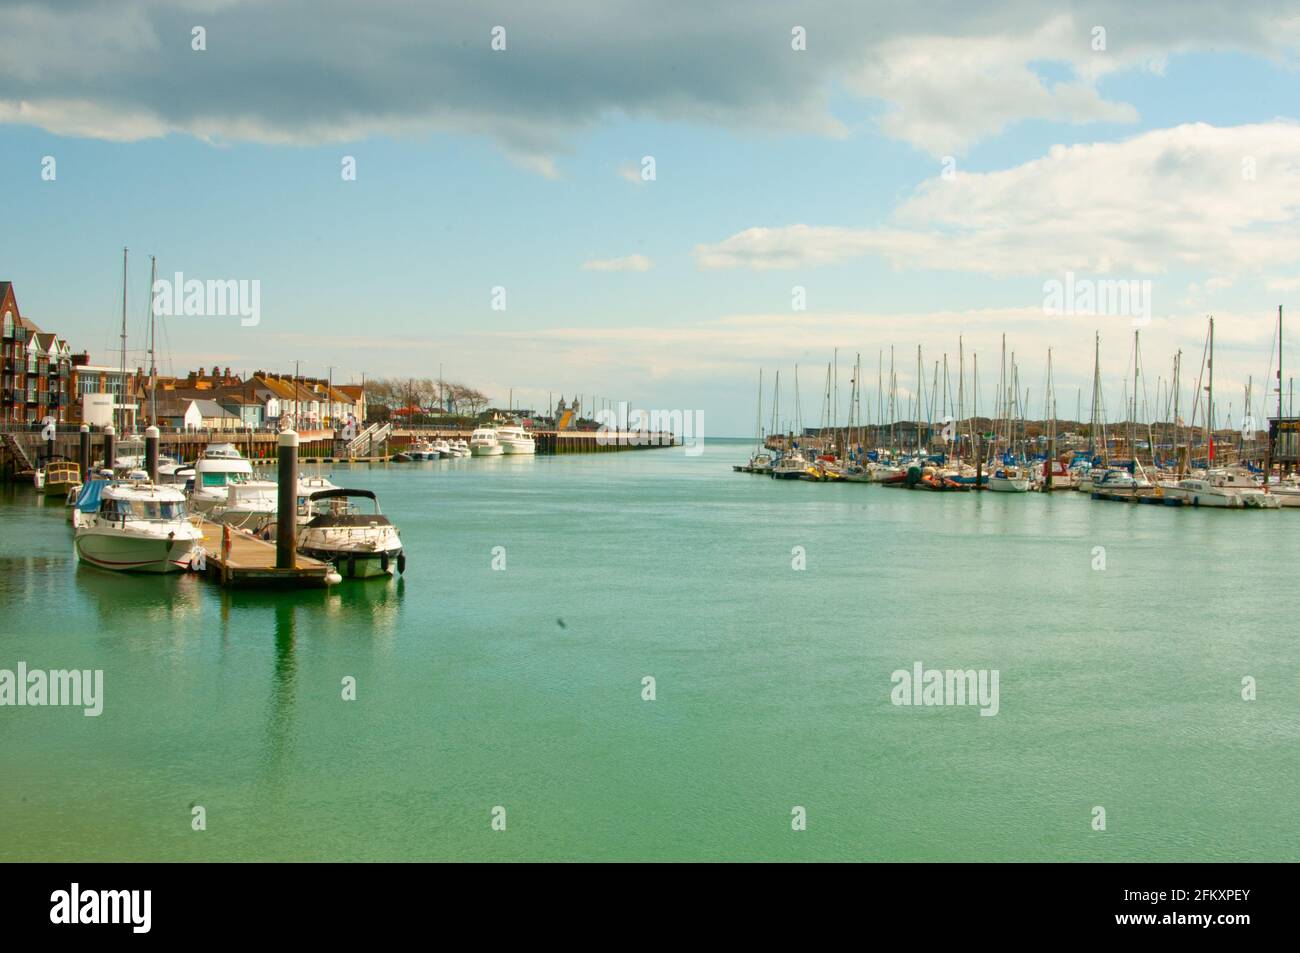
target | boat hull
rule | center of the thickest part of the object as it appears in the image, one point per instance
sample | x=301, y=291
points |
x=494, y=450
x=124, y=554
x=519, y=448
x=357, y=565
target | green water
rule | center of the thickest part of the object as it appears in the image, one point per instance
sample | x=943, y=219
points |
x=1119, y=688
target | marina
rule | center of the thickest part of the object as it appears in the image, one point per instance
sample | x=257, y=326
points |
x=468, y=682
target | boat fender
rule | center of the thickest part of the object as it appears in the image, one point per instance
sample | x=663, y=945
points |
x=401, y=562
x=383, y=561
x=352, y=565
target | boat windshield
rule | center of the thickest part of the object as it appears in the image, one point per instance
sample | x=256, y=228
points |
x=223, y=479
x=143, y=509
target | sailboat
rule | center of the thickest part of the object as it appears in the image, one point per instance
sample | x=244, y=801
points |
x=1222, y=487
x=760, y=461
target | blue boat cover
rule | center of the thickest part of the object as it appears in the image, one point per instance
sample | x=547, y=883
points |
x=88, y=498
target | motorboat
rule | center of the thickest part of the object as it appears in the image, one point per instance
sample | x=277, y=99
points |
x=1226, y=488
x=421, y=449
x=134, y=526
x=360, y=544
x=790, y=465
x=515, y=440
x=483, y=442
x=58, y=476
x=224, y=489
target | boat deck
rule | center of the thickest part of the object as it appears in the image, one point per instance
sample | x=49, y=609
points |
x=251, y=562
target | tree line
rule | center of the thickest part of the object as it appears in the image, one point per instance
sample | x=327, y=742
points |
x=385, y=395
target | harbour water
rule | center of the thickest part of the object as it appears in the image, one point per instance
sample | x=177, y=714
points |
x=477, y=687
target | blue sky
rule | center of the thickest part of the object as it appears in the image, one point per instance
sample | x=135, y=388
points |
x=459, y=190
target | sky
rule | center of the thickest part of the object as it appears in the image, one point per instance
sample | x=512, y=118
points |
x=913, y=176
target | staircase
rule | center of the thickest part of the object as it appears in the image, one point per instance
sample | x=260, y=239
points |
x=363, y=443
x=22, y=464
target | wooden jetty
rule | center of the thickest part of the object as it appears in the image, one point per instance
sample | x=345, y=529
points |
x=238, y=559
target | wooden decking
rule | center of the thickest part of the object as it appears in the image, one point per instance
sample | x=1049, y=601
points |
x=251, y=562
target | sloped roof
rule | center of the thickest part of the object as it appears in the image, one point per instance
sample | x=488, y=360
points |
x=210, y=408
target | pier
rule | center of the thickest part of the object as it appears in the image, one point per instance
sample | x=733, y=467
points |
x=244, y=560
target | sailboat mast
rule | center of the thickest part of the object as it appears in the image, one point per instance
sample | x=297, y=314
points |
x=1209, y=405
x=153, y=356
x=121, y=418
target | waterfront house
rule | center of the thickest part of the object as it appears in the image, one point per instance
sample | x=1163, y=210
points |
x=36, y=380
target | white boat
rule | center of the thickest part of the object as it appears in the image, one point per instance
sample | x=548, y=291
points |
x=359, y=544
x=483, y=443
x=515, y=440
x=791, y=465
x=137, y=527
x=422, y=450
x=1287, y=491
x=1009, y=480
x=1230, y=489
x=1111, y=480
x=224, y=489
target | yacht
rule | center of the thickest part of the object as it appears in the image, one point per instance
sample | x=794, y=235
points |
x=1223, y=488
x=483, y=443
x=137, y=527
x=224, y=489
x=514, y=439
x=360, y=544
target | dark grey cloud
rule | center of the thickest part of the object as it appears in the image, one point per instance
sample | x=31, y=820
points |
x=328, y=70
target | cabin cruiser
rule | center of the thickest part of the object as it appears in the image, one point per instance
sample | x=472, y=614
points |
x=1232, y=489
x=514, y=439
x=483, y=443
x=134, y=526
x=359, y=544
x=1121, y=480
x=422, y=450
x=225, y=490
x=57, y=476
x=1009, y=480
x=791, y=465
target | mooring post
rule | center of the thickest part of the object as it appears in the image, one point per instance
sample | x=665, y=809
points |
x=83, y=456
x=286, y=517
x=151, y=436
x=110, y=445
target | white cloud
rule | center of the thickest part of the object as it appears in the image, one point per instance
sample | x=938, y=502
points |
x=1167, y=199
x=628, y=263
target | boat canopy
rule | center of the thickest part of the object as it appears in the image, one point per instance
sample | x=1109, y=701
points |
x=339, y=491
x=88, y=498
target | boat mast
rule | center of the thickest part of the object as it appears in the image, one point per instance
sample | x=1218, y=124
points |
x=121, y=418
x=1268, y=451
x=1209, y=405
x=961, y=392
x=153, y=358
